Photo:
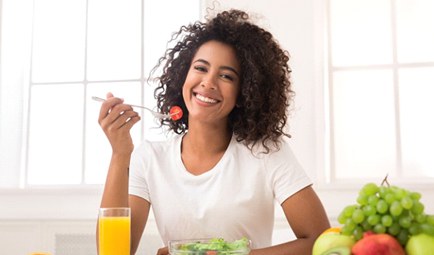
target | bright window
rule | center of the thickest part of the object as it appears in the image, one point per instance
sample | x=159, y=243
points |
x=381, y=80
x=87, y=48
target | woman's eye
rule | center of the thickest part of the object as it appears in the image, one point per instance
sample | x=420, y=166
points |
x=200, y=68
x=227, y=76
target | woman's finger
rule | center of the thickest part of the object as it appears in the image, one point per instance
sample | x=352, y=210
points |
x=130, y=123
x=107, y=107
x=116, y=112
x=109, y=94
x=124, y=118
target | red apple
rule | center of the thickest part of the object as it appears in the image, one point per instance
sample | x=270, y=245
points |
x=377, y=244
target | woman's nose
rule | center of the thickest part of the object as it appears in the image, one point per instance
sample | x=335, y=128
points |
x=209, y=83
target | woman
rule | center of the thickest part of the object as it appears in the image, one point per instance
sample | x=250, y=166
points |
x=228, y=163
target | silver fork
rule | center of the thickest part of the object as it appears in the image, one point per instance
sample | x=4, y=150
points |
x=156, y=114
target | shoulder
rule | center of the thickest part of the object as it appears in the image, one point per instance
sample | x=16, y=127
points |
x=273, y=150
x=278, y=158
x=279, y=161
x=283, y=148
x=283, y=155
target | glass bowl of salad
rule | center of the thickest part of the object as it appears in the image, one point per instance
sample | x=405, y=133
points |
x=212, y=246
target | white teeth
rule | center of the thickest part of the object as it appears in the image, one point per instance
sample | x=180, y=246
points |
x=206, y=99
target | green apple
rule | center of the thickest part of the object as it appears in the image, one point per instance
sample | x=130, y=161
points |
x=338, y=251
x=329, y=240
x=421, y=244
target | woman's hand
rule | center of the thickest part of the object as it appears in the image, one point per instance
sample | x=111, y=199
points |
x=116, y=120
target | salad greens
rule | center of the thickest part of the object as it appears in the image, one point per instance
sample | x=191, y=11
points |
x=215, y=246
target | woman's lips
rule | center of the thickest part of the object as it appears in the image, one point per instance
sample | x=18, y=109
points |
x=206, y=99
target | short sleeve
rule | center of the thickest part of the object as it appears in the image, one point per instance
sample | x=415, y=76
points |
x=286, y=175
x=138, y=185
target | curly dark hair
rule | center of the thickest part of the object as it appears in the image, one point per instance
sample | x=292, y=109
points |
x=265, y=88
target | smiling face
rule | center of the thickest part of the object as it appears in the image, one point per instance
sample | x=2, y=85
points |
x=211, y=88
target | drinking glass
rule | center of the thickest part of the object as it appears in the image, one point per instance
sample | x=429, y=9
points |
x=114, y=231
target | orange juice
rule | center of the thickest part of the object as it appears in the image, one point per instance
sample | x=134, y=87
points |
x=114, y=235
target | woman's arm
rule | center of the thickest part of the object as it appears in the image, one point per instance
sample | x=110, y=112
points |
x=307, y=218
x=116, y=119
x=139, y=216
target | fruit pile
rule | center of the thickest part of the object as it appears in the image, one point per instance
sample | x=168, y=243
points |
x=386, y=220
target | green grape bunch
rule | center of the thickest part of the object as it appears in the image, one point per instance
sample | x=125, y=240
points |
x=386, y=209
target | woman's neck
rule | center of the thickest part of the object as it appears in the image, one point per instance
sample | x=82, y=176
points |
x=203, y=147
x=207, y=139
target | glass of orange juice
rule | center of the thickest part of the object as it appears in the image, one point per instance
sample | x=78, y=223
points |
x=114, y=231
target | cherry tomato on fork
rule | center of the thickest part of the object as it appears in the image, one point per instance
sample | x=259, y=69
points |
x=175, y=113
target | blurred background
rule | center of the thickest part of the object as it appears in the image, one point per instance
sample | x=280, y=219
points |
x=363, y=72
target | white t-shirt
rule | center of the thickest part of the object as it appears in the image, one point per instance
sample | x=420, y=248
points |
x=232, y=200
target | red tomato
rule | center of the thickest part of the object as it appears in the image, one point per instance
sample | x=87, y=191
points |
x=175, y=113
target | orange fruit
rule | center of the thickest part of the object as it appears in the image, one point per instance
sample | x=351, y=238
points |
x=332, y=230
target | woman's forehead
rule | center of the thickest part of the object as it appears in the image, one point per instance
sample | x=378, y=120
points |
x=218, y=53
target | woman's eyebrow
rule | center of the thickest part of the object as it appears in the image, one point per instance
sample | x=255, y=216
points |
x=222, y=67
